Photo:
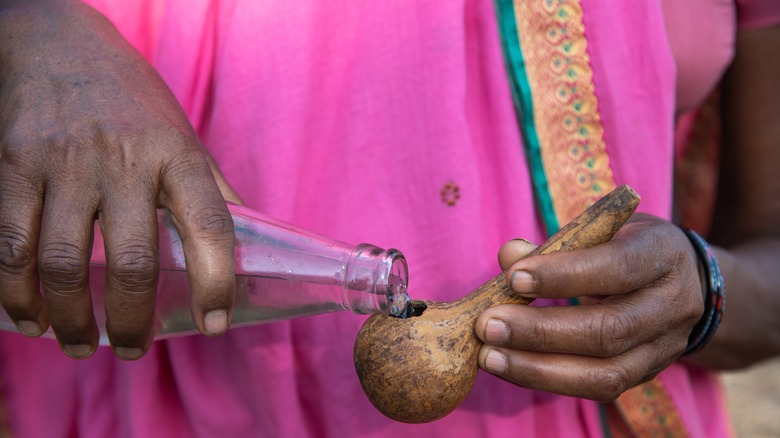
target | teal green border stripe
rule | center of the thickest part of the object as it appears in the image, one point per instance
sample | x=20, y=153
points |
x=522, y=95
x=603, y=420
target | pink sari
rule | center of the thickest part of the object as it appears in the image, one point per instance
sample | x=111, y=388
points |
x=385, y=122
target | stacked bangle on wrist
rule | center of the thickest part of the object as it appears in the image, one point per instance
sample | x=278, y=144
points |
x=714, y=297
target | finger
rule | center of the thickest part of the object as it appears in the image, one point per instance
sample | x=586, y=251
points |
x=616, y=267
x=20, y=212
x=513, y=251
x=130, y=236
x=607, y=329
x=63, y=255
x=577, y=376
x=206, y=230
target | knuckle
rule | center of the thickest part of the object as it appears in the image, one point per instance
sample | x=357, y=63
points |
x=114, y=134
x=186, y=163
x=626, y=265
x=68, y=142
x=614, y=330
x=645, y=259
x=610, y=381
x=130, y=146
x=16, y=250
x=537, y=337
x=21, y=174
x=212, y=222
x=134, y=267
x=63, y=267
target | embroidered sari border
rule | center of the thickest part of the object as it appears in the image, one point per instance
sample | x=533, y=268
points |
x=649, y=411
x=521, y=93
x=553, y=85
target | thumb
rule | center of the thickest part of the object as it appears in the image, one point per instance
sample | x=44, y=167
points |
x=513, y=251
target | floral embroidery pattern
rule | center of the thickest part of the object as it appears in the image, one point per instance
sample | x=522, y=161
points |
x=565, y=107
x=650, y=411
x=450, y=194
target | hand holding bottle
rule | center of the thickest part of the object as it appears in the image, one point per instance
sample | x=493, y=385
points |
x=88, y=130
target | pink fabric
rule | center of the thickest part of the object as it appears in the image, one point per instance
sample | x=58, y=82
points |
x=702, y=34
x=349, y=118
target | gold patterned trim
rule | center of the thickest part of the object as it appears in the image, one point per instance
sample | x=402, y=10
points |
x=566, y=114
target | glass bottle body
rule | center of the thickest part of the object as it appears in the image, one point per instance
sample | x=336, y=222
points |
x=282, y=272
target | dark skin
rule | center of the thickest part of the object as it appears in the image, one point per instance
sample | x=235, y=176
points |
x=648, y=291
x=640, y=297
x=88, y=130
x=122, y=120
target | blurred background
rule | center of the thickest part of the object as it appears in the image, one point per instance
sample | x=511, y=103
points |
x=754, y=399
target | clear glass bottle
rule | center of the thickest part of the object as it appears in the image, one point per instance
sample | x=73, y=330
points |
x=282, y=272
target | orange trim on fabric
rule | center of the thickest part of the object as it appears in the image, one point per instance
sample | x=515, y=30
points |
x=649, y=411
x=552, y=39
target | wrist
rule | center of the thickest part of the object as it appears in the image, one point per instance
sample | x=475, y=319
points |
x=50, y=41
x=713, y=292
x=20, y=18
x=24, y=25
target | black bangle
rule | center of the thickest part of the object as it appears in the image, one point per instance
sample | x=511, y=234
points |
x=714, y=298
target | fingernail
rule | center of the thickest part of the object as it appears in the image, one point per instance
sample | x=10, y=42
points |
x=78, y=351
x=496, y=331
x=216, y=322
x=495, y=362
x=128, y=353
x=523, y=282
x=29, y=328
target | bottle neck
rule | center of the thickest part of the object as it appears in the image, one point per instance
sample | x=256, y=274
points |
x=376, y=281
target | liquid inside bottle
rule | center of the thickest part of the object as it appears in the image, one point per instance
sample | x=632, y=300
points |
x=282, y=272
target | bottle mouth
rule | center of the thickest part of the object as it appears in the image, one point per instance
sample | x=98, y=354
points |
x=376, y=281
x=398, y=300
x=397, y=284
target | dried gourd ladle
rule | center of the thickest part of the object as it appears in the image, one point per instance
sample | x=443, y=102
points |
x=420, y=368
